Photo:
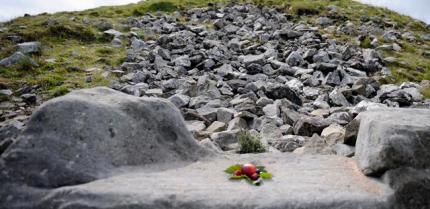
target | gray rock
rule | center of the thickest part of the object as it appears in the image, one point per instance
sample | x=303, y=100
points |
x=321, y=56
x=5, y=94
x=137, y=44
x=393, y=138
x=333, y=78
x=307, y=126
x=323, y=21
x=58, y=148
x=8, y=133
x=271, y=110
x=237, y=123
x=154, y=92
x=411, y=187
x=355, y=72
x=111, y=33
x=415, y=93
x=341, y=118
x=224, y=70
x=30, y=47
x=235, y=44
x=310, y=92
x=216, y=127
x=281, y=92
x=270, y=131
x=263, y=101
x=16, y=58
x=209, y=113
x=401, y=97
x=180, y=100
x=348, y=52
x=333, y=134
x=254, y=68
x=289, y=34
x=209, y=145
x=249, y=59
x=183, y=61
x=116, y=42
x=351, y=131
x=294, y=59
x=308, y=183
x=195, y=125
x=343, y=150
x=29, y=98
x=367, y=105
x=290, y=116
x=370, y=55
x=320, y=113
x=391, y=35
x=325, y=67
x=286, y=129
x=225, y=115
x=315, y=146
x=288, y=143
x=295, y=84
x=227, y=140
x=338, y=99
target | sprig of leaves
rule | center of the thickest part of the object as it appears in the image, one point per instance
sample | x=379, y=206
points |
x=233, y=168
x=263, y=174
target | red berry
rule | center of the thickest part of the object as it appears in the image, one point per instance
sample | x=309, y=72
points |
x=254, y=176
x=237, y=173
x=249, y=169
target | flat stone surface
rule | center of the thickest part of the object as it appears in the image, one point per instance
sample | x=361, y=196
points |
x=300, y=181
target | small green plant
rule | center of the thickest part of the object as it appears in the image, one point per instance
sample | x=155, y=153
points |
x=105, y=51
x=74, y=31
x=250, y=143
x=25, y=65
x=163, y=6
x=59, y=91
x=426, y=92
x=366, y=43
x=303, y=8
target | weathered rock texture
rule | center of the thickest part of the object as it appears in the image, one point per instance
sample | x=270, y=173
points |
x=99, y=148
x=323, y=182
x=87, y=134
x=393, y=138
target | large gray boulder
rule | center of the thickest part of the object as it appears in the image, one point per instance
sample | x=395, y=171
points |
x=393, y=138
x=299, y=182
x=89, y=134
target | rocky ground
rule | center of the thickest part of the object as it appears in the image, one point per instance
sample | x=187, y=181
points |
x=228, y=69
x=248, y=67
x=245, y=67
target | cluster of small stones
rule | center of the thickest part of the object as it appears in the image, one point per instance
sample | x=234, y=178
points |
x=245, y=67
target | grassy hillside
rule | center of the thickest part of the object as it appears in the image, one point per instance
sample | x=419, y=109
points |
x=73, y=42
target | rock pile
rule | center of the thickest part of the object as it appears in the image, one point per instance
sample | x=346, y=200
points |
x=226, y=69
x=246, y=67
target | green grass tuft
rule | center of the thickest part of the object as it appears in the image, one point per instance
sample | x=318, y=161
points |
x=250, y=143
x=426, y=92
x=366, y=43
x=59, y=91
